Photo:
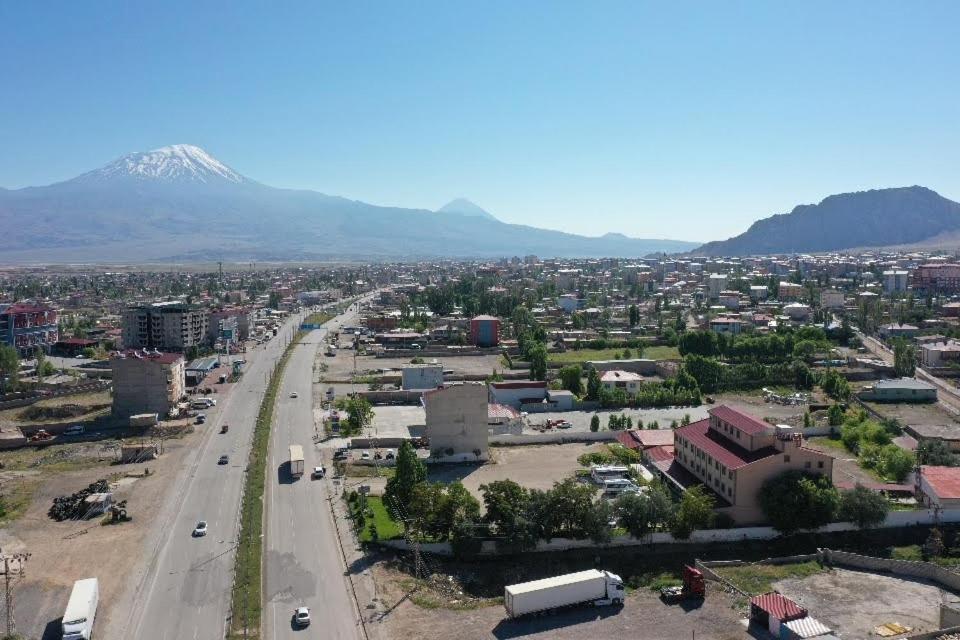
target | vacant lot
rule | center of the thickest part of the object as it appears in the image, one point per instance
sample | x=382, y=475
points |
x=581, y=419
x=65, y=408
x=584, y=355
x=914, y=413
x=643, y=617
x=852, y=603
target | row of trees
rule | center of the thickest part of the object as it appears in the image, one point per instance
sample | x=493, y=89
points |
x=871, y=441
x=782, y=346
x=795, y=501
x=711, y=375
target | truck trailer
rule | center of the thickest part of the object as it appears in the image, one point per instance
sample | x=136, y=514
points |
x=81, y=610
x=296, y=460
x=600, y=588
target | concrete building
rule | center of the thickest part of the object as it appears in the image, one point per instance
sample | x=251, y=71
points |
x=940, y=487
x=790, y=291
x=421, y=376
x=146, y=382
x=940, y=354
x=901, y=390
x=167, y=326
x=937, y=278
x=457, y=418
x=726, y=325
x=890, y=331
x=716, y=283
x=620, y=379
x=797, y=311
x=732, y=454
x=831, y=299
x=485, y=331
x=730, y=300
x=517, y=393
x=895, y=281
x=236, y=322
x=948, y=434
x=758, y=292
x=27, y=327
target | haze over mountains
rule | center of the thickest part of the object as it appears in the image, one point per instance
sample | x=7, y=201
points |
x=180, y=203
x=877, y=218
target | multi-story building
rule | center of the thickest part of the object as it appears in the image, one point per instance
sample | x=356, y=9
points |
x=732, y=454
x=895, y=281
x=789, y=291
x=28, y=327
x=831, y=299
x=233, y=323
x=937, y=278
x=716, y=283
x=146, y=382
x=167, y=326
x=456, y=418
x=485, y=331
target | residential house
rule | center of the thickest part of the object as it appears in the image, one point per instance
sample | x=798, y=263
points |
x=619, y=379
x=899, y=390
x=940, y=487
x=940, y=354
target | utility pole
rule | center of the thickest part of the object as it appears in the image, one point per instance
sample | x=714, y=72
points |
x=13, y=570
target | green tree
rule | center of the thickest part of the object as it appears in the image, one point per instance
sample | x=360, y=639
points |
x=537, y=355
x=895, y=463
x=466, y=539
x=634, y=315
x=904, y=358
x=410, y=471
x=695, y=511
x=795, y=500
x=9, y=367
x=506, y=505
x=835, y=415
x=595, y=423
x=359, y=413
x=863, y=507
x=274, y=300
x=594, y=385
x=571, y=379
x=937, y=453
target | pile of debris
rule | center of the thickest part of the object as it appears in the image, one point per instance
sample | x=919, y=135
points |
x=73, y=506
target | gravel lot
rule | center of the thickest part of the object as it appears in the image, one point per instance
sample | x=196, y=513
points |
x=852, y=603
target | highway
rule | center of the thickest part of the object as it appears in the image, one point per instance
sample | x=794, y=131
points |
x=304, y=565
x=184, y=592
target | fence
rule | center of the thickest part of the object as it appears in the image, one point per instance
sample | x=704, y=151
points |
x=926, y=570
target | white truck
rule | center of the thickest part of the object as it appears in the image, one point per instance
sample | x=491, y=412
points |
x=597, y=587
x=81, y=610
x=296, y=460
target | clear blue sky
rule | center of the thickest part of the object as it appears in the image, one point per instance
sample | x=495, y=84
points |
x=674, y=120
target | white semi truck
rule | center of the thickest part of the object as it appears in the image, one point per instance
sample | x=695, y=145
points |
x=296, y=460
x=597, y=587
x=81, y=610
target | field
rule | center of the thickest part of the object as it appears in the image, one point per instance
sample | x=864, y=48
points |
x=759, y=578
x=583, y=355
x=387, y=528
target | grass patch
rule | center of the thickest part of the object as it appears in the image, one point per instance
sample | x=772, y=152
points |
x=759, y=578
x=830, y=442
x=654, y=353
x=662, y=352
x=246, y=597
x=318, y=318
x=909, y=552
x=16, y=499
x=374, y=512
x=654, y=581
x=366, y=471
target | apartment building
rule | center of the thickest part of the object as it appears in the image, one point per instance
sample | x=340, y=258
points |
x=895, y=281
x=146, y=382
x=456, y=418
x=789, y=291
x=28, y=327
x=733, y=454
x=831, y=299
x=166, y=326
x=937, y=278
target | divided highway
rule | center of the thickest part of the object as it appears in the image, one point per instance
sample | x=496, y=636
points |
x=184, y=592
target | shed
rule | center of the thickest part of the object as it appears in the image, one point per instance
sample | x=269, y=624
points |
x=772, y=609
x=97, y=503
x=803, y=628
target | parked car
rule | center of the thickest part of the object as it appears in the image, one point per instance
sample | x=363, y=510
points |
x=318, y=472
x=200, y=530
x=390, y=454
x=293, y=394
x=365, y=455
x=201, y=418
x=224, y=459
x=301, y=616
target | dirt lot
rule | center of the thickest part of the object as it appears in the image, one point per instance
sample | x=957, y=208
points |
x=914, y=413
x=340, y=367
x=643, y=617
x=96, y=403
x=753, y=403
x=852, y=603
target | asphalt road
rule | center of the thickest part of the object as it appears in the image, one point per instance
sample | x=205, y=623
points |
x=185, y=591
x=304, y=565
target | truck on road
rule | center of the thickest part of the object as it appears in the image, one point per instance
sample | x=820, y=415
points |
x=81, y=610
x=296, y=460
x=600, y=588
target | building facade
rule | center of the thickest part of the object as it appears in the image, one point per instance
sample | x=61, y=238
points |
x=457, y=419
x=485, y=331
x=28, y=327
x=895, y=281
x=146, y=382
x=421, y=376
x=937, y=278
x=732, y=454
x=166, y=326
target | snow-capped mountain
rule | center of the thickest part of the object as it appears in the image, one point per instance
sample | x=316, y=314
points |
x=175, y=163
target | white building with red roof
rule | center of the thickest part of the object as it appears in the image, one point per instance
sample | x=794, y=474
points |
x=733, y=453
x=940, y=486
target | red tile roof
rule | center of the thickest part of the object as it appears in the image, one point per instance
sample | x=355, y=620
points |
x=745, y=422
x=659, y=454
x=23, y=307
x=495, y=410
x=780, y=607
x=945, y=481
x=727, y=453
x=655, y=437
x=628, y=439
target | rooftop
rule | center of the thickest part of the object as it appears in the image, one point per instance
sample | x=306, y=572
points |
x=155, y=356
x=944, y=481
x=743, y=421
x=903, y=383
x=727, y=453
x=779, y=606
x=619, y=375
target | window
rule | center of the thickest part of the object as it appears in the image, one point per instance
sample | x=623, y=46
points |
x=820, y=464
x=786, y=458
x=738, y=434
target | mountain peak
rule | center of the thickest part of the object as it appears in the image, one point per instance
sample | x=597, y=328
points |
x=182, y=163
x=463, y=207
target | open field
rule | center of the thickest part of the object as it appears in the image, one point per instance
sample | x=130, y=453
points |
x=81, y=407
x=659, y=352
x=852, y=603
x=914, y=413
x=759, y=578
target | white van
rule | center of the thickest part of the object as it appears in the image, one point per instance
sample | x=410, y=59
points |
x=81, y=610
x=619, y=485
x=209, y=401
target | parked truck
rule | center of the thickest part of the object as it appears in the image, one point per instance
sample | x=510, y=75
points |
x=296, y=460
x=692, y=587
x=81, y=610
x=600, y=588
x=145, y=420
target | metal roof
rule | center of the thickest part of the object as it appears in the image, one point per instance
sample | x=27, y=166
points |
x=944, y=481
x=807, y=627
x=742, y=421
x=779, y=606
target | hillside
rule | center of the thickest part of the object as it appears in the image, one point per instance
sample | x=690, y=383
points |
x=180, y=203
x=876, y=218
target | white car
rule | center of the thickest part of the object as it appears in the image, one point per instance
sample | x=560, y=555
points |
x=200, y=530
x=365, y=455
x=318, y=472
x=293, y=394
x=301, y=616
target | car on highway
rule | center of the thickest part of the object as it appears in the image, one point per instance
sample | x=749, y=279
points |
x=318, y=472
x=301, y=616
x=224, y=459
x=200, y=530
x=293, y=394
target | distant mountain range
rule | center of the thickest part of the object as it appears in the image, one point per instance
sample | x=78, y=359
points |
x=878, y=218
x=179, y=203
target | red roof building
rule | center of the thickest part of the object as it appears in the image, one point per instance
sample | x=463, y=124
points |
x=776, y=606
x=940, y=486
x=732, y=454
